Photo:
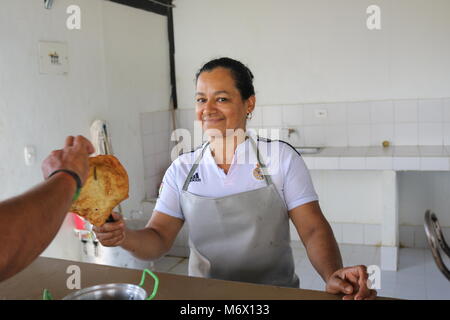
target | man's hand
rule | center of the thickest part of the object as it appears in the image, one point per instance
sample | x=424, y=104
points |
x=351, y=281
x=73, y=157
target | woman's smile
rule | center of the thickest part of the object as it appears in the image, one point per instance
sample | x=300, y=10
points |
x=214, y=120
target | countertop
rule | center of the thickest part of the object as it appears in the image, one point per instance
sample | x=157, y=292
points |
x=397, y=158
x=51, y=274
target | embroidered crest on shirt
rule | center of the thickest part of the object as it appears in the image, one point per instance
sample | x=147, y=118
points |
x=257, y=173
x=195, y=178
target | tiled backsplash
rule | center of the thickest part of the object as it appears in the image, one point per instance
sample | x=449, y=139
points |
x=351, y=233
x=415, y=237
x=370, y=234
x=401, y=122
x=370, y=123
x=156, y=128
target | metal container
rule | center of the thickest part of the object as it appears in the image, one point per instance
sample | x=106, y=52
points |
x=112, y=291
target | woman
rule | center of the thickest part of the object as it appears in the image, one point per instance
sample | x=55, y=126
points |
x=237, y=193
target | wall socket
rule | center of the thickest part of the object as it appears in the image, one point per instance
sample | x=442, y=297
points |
x=29, y=153
x=321, y=113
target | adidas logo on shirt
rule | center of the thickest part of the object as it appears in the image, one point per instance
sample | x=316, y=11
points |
x=195, y=178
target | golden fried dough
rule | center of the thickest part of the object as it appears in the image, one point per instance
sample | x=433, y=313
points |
x=105, y=187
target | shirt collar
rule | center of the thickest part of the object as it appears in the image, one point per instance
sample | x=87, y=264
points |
x=244, y=153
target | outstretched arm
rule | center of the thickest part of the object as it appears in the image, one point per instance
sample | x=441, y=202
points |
x=29, y=222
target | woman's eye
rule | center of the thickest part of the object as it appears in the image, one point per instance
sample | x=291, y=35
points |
x=222, y=99
x=200, y=100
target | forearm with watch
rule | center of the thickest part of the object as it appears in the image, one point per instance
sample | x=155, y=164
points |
x=29, y=222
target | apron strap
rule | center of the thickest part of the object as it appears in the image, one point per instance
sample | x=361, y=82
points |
x=261, y=163
x=194, y=168
x=197, y=161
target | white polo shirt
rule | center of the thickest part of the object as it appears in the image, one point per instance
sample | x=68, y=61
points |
x=284, y=164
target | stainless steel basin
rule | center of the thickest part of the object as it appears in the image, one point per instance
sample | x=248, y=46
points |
x=308, y=150
x=113, y=291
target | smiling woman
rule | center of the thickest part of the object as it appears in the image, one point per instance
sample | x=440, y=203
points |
x=225, y=96
x=237, y=192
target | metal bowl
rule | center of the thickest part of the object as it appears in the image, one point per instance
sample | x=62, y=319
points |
x=112, y=291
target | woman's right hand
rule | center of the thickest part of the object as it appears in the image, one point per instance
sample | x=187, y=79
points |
x=111, y=234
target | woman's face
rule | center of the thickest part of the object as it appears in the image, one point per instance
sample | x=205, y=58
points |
x=219, y=104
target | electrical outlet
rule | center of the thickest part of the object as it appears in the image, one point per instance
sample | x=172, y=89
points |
x=321, y=113
x=30, y=155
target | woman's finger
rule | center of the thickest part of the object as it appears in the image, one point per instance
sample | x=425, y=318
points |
x=113, y=242
x=337, y=285
x=111, y=226
x=363, y=291
x=117, y=217
x=108, y=235
x=372, y=296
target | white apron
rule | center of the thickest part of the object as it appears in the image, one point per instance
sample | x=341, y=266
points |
x=240, y=237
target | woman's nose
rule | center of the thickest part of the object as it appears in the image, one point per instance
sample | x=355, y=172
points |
x=209, y=106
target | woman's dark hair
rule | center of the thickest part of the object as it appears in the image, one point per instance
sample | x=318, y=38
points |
x=242, y=75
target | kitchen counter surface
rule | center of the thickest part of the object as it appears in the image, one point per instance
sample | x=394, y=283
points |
x=397, y=158
x=51, y=274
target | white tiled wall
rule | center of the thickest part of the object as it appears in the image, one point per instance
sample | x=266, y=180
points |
x=156, y=128
x=370, y=234
x=402, y=122
x=415, y=237
x=352, y=233
x=349, y=233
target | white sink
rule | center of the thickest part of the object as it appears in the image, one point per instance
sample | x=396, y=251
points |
x=308, y=150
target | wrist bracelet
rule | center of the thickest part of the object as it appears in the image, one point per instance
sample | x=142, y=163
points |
x=73, y=175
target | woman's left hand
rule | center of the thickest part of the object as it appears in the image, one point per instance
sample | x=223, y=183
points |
x=351, y=281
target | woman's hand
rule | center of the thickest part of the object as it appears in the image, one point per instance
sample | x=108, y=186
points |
x=111, y=234
x=351, y=281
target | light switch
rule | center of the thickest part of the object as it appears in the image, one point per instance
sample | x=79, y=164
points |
x=30, y=155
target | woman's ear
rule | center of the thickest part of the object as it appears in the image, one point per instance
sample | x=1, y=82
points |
x=250, y=104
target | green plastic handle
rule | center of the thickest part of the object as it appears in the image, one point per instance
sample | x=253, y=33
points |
x=46, y=295
x=155, y=287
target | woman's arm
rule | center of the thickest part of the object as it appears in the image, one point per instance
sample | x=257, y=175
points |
x=317, y=237
x=323, y=252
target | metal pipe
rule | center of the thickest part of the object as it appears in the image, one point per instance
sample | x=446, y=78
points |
x=48, y=4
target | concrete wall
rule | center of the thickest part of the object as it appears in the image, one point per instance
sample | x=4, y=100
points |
x=391, y=84
x=319, y=51
x=118, y=68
